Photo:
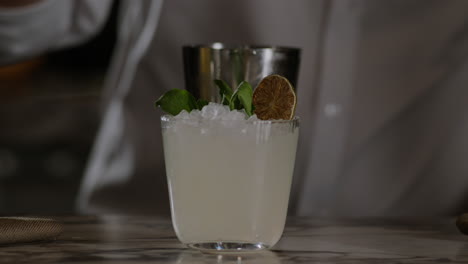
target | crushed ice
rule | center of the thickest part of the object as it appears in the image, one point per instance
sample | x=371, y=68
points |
x=215, y=119
x=214, y=111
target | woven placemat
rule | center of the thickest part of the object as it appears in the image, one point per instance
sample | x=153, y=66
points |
x=28, y=229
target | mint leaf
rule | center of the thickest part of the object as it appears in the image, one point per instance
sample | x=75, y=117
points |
x=225, y=91
x=242, y=98
x=176, y=100
x=244, y=94
x=234, y=102
x=201, y=103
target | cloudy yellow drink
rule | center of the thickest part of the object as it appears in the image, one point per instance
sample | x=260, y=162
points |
x=230, y=180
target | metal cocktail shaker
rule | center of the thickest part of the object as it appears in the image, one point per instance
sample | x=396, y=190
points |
x=234, y=64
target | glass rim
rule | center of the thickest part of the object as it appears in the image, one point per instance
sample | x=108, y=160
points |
x=223, y=46
x=296, y=119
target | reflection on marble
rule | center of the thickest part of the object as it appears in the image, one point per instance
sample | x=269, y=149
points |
x=194, y=257
x=113, y=239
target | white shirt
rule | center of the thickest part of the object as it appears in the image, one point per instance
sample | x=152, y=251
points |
x=381, y=94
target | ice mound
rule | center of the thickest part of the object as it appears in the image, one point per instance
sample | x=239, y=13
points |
x=216, y=119
x=213, y=111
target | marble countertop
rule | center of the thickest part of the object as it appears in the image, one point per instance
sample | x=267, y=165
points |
x=116, y=239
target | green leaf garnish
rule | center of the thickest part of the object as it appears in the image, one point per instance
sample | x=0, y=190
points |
x=225, y=91
x=235, y=103
x=244, y=94
x=176, y=100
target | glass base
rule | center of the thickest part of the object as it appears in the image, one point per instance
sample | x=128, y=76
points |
x=228, y=247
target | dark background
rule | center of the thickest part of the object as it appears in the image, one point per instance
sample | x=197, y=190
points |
x=49, y=115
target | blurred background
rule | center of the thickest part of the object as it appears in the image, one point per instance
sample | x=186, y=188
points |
x=49, y=115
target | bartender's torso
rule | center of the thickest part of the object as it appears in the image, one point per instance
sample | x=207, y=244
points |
x=381, y=94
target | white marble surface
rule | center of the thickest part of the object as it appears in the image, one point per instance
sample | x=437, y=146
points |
x=112, y=239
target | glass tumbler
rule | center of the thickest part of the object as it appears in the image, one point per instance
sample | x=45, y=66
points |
x=229, y=181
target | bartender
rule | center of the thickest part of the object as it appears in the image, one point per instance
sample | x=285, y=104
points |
x=382, y=94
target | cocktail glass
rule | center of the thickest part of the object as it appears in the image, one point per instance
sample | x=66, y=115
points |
x=229, y=181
